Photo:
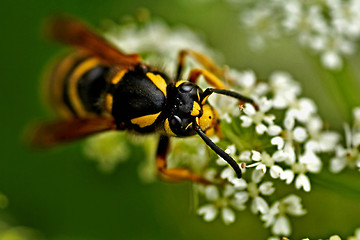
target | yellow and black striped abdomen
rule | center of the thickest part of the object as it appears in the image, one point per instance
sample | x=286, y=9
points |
x=77, y=86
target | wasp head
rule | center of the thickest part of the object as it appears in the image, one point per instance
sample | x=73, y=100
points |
x=188, y=108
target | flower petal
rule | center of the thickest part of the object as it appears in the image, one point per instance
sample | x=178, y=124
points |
x=228, y=216
x=279, y=141
x=256, y=156
x=287, y=175
x=267, y=188
x=302, y=181
x=209, y=212
x=239, y=183
x=259, y=205
x=246, y=121
x=281, y=226
x=211, y=193
x=274, y=130
x=300, y=134
x=275, y=171
x=260, y=128
x=249, y=109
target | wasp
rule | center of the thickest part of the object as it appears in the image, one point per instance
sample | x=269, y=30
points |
x=98, y=88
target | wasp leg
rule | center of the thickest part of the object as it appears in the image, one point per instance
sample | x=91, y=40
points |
x=212, y=73
x=210, y=78
x=174, y=174
x=205, y=61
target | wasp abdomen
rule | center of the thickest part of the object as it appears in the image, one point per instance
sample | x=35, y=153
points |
x=91, y=88
x=76, y=86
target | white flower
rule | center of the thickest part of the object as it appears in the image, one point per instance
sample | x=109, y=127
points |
x=262, y=23
x=263, y=161
x=221, y=204
x=307, y=162
x=348, y=156
x=345, y=17
x=339, y=162
x=293, y=133
x=245, y=82
x=264, y=122
x=301, y=109
x=331, y=60
x=245, y=156
x=276, y=216
x=255, y=190
x=330, y=28
x=320, y=141
x=285, y=89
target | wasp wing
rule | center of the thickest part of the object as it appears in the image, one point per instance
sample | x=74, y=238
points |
x=54, y=133
x=73, y=32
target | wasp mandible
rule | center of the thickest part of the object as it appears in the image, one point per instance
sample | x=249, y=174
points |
x=98, y=88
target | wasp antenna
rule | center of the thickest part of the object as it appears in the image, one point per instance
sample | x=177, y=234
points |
x=219, y=151
x=229, y=93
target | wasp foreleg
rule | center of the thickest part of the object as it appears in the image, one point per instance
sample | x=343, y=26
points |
x=173, y=174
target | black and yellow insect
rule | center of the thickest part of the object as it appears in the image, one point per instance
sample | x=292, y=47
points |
x=98, y=88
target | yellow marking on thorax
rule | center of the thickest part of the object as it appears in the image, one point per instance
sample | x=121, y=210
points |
x=159, y=82
x=168, y=129
x=118, y=76
x=73, y=90
x=180, y=82
x=146, y=120
x=196, y=109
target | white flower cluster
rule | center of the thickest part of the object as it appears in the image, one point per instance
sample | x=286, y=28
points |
x=290, y=124
x=283, y=140
x=331, y=28
x=348, y=155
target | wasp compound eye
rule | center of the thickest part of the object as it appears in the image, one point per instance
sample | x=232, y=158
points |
x=175, y=123
x=186, y=87
x=181, y=126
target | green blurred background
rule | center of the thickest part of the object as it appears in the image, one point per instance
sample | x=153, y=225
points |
x=64, y=196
